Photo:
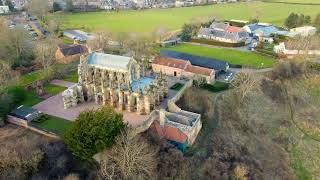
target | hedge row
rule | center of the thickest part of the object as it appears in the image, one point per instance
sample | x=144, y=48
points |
x=218, y=43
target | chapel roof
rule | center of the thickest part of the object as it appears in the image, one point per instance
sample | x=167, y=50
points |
x=109, y=61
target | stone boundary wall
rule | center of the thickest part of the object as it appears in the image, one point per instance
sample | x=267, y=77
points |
x=172, y=102
x=147, y=123
x=24, y=123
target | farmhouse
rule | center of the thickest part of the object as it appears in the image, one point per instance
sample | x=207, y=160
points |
x=223, y=32
x=181, y=68
x=118, y=81
x=69, y=53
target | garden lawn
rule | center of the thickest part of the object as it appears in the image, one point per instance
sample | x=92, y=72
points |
x=296, y=1
x=54, y=124
x=216, y=87
x=31, y=99
x=53, y=89
x=231, y=56
x=28, y=78
x=176, y=86
x=146, y=21
x=72, y=77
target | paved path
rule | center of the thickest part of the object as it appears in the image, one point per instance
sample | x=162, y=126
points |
x=54, y=106
x=62, y=83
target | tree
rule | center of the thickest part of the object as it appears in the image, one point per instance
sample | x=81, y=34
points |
x=45, y=52
x=253, y=21
x=317, y=23
x=39, y=8
x=56, y=7
x=129, y=158
x=188, y=31
x=15, y=46
x=100, y=41
x=93, y=131
x=291, y=21
x=69, y=5
x=10, y=5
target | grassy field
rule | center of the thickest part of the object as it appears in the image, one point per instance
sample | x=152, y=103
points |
x=72, y=77
x=229, y=55
x=296, y=1
x=147, y=21
x=54, y=124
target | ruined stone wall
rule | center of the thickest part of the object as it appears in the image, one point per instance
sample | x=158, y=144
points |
x=172, y=102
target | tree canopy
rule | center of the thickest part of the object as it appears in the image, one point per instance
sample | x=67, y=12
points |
x=296, y=20
x=93, y=131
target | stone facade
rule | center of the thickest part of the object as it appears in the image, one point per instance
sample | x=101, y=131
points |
x=120, y=82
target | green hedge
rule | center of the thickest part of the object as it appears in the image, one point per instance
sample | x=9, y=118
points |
x=216, y=87
x=217, y=43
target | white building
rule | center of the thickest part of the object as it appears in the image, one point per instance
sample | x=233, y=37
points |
x=4, y=9
x=282, y=49
x=304, y=31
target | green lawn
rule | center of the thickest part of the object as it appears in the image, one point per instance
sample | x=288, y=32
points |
x=31, y=99
x=72, y=77
x=53, y=89
x=216, y=87
x=53, y=124
x=177, y=86
x=146, y=21
x=296, y=1
x=28, y=78
x=231, y=56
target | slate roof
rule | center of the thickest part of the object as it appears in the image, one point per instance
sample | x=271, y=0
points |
x=197, y=60
x=219, y=26
x=234, y=36
x=109, y=61
x=69, y=50
x=26, y=113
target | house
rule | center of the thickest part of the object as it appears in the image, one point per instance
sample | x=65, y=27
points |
x=68, y=53
x=4, y=10
x=304, y=31
x=180, y=128
x=223, y=32
x=292, y=50
x=181, y=68
x=210, y=63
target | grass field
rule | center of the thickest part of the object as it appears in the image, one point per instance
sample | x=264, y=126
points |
x=147, y=21
x=229, y=55
x=53, y=124
x=296, y=1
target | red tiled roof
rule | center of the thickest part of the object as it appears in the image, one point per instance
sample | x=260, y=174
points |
x=234, y=29
x=199, y=70
x=169, y=132
x=176, y=63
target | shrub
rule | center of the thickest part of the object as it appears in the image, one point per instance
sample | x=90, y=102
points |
x=93, y=131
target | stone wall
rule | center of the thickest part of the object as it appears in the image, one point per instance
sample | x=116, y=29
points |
x=172, y=102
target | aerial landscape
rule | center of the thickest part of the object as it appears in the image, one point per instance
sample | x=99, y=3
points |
x=160, y=89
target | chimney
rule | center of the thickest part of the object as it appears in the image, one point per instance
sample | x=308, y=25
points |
x=162, y=117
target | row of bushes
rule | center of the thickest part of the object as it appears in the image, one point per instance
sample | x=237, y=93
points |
x=216, y=87
x=217, y=43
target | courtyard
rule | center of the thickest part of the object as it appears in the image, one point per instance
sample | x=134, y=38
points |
x=53, y=106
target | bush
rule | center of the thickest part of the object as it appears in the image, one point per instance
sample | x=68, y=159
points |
x=93, y=131
x=218, y=43
x=216, y=87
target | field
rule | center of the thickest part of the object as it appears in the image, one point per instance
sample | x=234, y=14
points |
x=296, y=1
x=229, y=55
x=147, y=21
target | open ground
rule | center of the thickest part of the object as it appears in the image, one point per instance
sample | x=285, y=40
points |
x=146, y=21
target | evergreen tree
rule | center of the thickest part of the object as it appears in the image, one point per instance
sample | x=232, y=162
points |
x=10, y=5
x=93, y=131
x=56, y=7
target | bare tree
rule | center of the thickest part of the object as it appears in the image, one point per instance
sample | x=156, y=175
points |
x=129, y=158
x=245, y=82
x=7, y=76
x=100, y=42
x=161, y=33
x=45, y=52
x=39, y=8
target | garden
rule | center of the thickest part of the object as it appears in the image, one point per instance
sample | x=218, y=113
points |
x=52, y=124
